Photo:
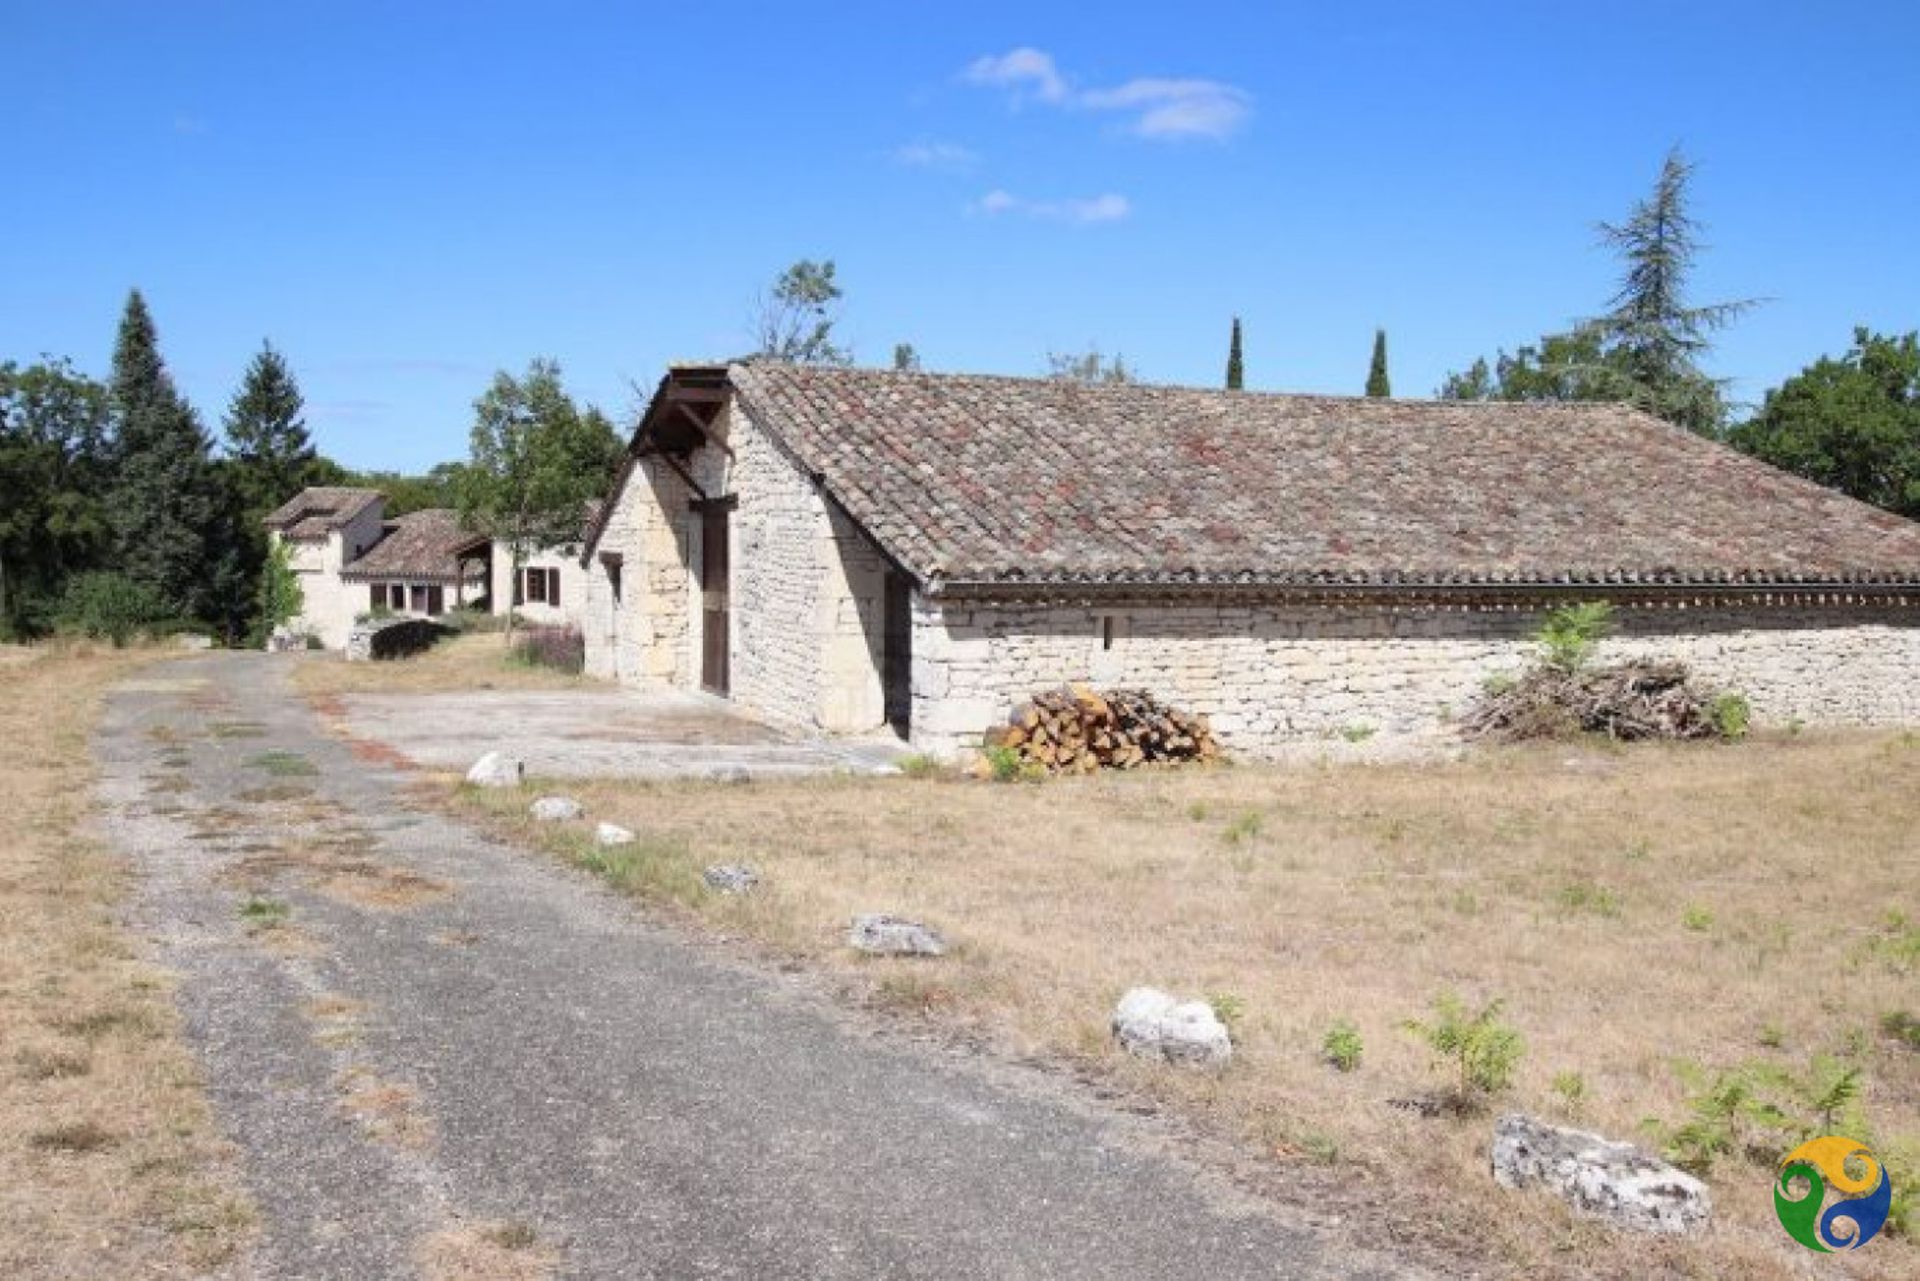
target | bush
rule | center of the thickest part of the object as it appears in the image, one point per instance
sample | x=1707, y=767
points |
x=1482, y=1051
x=1568, y=637
x=563, y=649
x=1731, y=714
x=111, y=607
x=1342, y=1046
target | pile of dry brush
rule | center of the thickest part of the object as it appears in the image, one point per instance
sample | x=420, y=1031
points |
x=1076, y=729
x=1636, y=700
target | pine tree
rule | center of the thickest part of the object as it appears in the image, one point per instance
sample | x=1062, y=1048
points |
x=1654, y=337
x=1377, y=382
x=272, y=455
x=165, y=499
x=1236, y=372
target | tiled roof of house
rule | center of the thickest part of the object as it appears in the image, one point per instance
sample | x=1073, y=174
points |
x=985, y=480
x=421, y=546
x=318, y=510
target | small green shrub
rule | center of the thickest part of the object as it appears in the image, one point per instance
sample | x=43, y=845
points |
x=920, y=765
x=1342, y=1046
x=1773, y=1036
x=1006, y=765
x=1243, y=828
x=1731, y=715
x=1570, y=634
x=1902, y=1027
x=1757, y=1108
x=1480, y=1050
x=1589, y=896
x=1230, y=1009
x=110, y=607
x=1499, y=683
x=1199, y=812
x=1571, y=1087
x=1357, y=733
x=1696, y=918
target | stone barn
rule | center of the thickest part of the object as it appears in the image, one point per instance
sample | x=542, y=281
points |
x=842, y=551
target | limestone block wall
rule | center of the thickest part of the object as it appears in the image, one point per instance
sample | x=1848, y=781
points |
x=643, y=632
x=807, y=595
x=1270, y=674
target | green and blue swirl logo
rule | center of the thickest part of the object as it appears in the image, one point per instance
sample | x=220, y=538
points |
x=1844, y=1167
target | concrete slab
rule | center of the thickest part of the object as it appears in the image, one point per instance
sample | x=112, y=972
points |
x=604, y=732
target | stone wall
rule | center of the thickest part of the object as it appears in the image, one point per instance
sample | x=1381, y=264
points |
x=806, y=592
x=1268, y=675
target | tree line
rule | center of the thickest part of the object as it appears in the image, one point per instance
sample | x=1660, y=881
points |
x=122, y=511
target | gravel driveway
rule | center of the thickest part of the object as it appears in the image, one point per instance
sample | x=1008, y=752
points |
x=408, y=1028
x=602, y=731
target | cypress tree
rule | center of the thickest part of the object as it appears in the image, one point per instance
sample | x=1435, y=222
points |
x=1377, y=382
x=1236, y=373
x=165, y=499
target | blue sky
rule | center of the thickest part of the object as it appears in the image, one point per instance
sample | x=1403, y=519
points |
x=406, y=197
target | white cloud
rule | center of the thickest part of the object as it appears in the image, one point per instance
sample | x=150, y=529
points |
x=1083, y=211
x=1160, y=107
x=927, y=154
x=1176, y=108
x=1022, y=68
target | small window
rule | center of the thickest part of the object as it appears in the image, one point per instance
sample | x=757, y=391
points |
x=396, y=596
x=1106, y=631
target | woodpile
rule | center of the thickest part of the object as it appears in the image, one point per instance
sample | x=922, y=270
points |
x=1630, y=701
x=1076, y=729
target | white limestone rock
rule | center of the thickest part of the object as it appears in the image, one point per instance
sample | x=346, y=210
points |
x=612, y=834
x=883, y=935
x=555, y=809
x=496, y=769
x=1155, y=1025
x=730, y=878
x=1601, y=1179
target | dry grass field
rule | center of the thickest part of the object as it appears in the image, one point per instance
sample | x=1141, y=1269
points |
x=112, y=1168
x=475, y=661
x=1752, y=907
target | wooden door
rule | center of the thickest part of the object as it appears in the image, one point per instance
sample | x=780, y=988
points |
x=896, y=654
x=714, y=612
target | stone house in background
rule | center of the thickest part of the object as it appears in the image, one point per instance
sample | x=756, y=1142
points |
x=845, y=550
x=353, y=561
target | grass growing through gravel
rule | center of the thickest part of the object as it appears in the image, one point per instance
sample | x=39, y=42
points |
x=283, y=764
x=1354, y=899
x=111, y=1164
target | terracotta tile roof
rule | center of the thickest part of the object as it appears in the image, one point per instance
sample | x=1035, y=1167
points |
x=316, y=511
x=968, y=479
x=420, y=547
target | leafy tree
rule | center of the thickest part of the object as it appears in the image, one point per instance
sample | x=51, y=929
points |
x=266, y=434
x=1851, y=423
x=905, y=359
x=54, y=470
x=536, y=460
x=1236, y=371
x=1646, y=349
x=795, y=321
x=1092, y=367
x=1378, y=384
x=1566, y=366
x=281, y=598
x=165, y=500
